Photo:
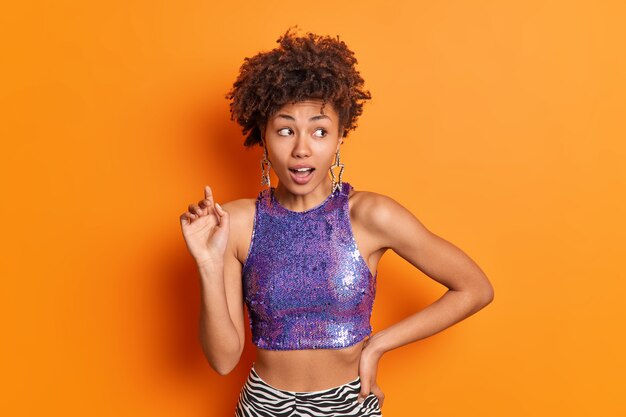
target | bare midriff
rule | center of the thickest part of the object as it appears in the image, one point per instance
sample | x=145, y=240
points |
x=308, y=369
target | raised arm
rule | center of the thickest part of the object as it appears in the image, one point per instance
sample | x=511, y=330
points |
x=210, y=233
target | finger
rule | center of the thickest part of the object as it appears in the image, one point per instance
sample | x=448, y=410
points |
x=213, y=211
x=220, y=210
x=365, y=391
x=191, y=217
x=208, y=205
x=208, y=194
x=225, y=216
x=207, y=202
x=379, y=394
x=204, y=203
x=184, y=218
x=194, y=209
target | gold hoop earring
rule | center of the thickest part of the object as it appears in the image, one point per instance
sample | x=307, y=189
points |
x=336, y=184
x=265, y=173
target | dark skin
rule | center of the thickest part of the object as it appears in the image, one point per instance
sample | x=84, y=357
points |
x=218, y=237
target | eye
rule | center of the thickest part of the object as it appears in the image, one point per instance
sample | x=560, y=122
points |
x=285, y=131
x=320, y=133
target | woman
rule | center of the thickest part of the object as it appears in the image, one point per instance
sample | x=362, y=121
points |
x=303, y=255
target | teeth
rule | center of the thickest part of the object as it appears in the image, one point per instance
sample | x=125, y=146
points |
x=303, y=169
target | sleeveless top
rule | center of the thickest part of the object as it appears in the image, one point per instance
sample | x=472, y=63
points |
x=305, y=282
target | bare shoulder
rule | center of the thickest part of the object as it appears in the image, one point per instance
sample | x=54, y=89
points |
x=386, y=219
x=241, y=213
x=375, y=209
x=240, y=209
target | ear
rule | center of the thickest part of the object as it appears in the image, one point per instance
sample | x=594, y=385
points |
x=339, y=145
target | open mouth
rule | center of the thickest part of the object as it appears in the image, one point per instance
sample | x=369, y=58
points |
x=302, y=172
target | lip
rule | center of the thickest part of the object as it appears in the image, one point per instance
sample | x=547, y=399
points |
x=301, y=180
x=301, y=166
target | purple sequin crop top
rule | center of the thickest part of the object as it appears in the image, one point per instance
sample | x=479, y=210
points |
x=305, y=282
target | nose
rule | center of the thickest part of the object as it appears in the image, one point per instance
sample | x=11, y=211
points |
x=301, y=148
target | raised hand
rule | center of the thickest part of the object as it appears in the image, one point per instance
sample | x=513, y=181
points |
x=205, y=228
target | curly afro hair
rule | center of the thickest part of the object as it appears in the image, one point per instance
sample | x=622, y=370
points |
x=302, y=67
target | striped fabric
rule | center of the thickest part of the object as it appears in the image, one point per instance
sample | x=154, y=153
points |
x=259, y=399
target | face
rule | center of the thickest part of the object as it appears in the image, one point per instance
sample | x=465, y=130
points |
x=299, y=135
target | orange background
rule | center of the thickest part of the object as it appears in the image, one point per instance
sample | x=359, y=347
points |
x=500, y=125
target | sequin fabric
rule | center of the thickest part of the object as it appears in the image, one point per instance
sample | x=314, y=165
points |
x=305, y=282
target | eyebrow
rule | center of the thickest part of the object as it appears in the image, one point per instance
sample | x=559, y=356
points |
x=312, y=119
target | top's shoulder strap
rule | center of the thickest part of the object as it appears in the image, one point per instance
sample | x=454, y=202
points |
x=345, y=188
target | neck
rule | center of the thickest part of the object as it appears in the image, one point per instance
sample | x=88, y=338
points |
x=303, y=202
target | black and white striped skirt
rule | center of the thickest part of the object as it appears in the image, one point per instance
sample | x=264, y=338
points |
x=259, y=399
